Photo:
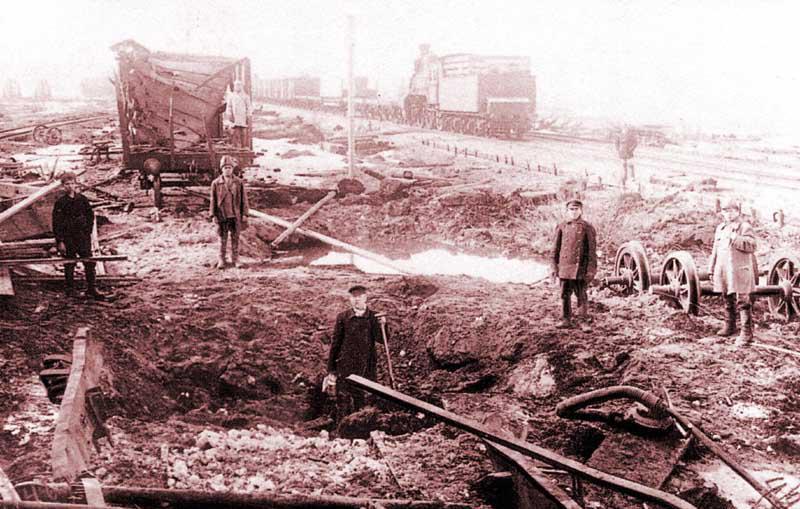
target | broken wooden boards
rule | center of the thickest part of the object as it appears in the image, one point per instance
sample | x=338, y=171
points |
x=7, y=491
x=532, y=489
x=76, y=425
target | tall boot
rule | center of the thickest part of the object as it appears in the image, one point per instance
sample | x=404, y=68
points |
x=746, y=334
x=729, y=329
x=223, y=247
x=566, y=314
x=91, y=282
x=235, y=249
x=69, y=279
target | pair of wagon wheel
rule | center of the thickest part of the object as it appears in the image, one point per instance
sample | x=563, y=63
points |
x=681, y=282
x=48, y=135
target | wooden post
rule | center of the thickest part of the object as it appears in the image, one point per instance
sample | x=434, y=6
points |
x=331, y=241
x=300, y=220
x=350, y=141
x=73, y=437
x=6, y=290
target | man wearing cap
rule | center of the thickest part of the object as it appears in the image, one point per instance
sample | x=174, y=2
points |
x=239, y=113
x=353, y=351
x=574, y=261
x=734, y=271
x=73, y=222
x=228, y=209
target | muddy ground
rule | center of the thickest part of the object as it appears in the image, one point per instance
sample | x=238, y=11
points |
x=213, y=375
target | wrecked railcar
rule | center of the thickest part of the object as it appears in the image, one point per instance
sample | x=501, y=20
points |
x=171, y=109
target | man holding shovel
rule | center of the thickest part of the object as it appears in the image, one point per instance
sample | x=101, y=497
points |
x=353, y=351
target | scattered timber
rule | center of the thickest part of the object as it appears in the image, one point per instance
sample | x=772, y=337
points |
x=76, y=425
x=576, y=468
x=331, y=241
x=300, y=220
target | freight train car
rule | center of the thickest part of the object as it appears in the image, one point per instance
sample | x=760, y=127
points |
x=170, y=113
x=472, y=94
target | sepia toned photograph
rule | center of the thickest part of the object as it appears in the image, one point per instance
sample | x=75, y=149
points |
x=373, y=254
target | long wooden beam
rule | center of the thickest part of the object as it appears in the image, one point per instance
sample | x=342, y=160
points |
x=634, y=489
x=331, y=241
x=30, y=200
x=300, y=220
x=132, y=495
x=75, y=426
x=60, y=260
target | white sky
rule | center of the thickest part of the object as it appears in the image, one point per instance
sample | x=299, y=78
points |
x=714, y=63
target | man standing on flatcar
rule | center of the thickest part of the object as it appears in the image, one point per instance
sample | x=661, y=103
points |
x=239, y=113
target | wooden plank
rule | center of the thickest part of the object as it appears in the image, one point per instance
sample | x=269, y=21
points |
x=7, y=491
x=72, y=442
x=30, y=200
x=61, y=261
x=6, y=284
x=331, y=241
x=613, y=482
x=534, y=490
x=300, y=220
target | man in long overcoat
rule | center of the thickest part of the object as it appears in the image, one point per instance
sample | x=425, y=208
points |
x=353, y=351
x=574, y=261
x=733, y=270
x=228, y=209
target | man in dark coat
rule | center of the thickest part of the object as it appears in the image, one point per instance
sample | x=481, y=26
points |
x=574, y=261
x=228, y=209
x=353, y=351
x=73, y=222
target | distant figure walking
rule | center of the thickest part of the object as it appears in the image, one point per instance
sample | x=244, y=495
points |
x=239, y=113
x=73, y=222
x=733, y=270
x=228, y=209
x=626, y=144
x=574, y=262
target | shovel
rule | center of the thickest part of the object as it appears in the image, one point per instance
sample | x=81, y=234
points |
x=382, y=319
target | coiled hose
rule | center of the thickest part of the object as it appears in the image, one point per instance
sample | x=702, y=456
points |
x=571, y=409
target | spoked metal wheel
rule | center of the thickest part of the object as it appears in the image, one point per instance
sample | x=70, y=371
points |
x=632, y=265
x=39, y=133
x=785, y=273
x=53, y=136
x=679, y=281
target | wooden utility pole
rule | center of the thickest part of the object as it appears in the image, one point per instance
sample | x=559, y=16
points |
x=350, y=138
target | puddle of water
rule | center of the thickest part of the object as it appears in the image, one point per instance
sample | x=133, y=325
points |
x=444, y=263
x=741, y=494
x=36, y=415
x=749, y=411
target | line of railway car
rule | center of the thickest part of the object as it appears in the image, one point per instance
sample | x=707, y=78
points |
x=466, y=93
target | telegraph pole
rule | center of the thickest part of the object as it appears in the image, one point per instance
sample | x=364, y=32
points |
x=350, y=139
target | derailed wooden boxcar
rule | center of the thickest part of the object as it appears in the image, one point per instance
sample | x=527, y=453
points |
x=171, y=110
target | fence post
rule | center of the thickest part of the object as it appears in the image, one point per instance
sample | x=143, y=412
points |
x=555, y=169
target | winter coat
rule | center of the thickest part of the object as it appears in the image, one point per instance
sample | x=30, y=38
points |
x=353, y=347
x=73, y=218
x=732, y=263
x=575, y=250
x=233, y=200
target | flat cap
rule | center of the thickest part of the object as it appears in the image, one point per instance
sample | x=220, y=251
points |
x=356, y=290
